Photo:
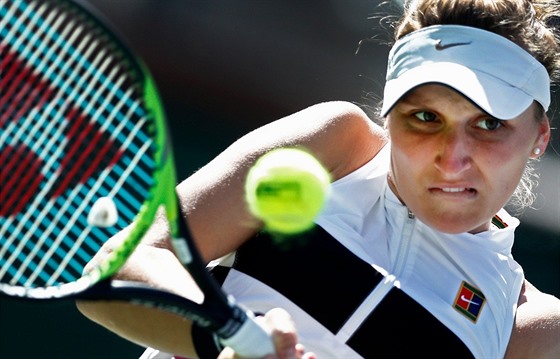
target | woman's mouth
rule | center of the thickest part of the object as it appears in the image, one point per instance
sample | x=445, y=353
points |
x=456, y=189
x=459, y=192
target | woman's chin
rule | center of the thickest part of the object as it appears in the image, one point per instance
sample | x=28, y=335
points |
x=448, y=224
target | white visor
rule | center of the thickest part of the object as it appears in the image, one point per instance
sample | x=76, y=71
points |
x=492, y=71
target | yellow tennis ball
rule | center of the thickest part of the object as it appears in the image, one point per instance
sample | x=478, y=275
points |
x=286, y=188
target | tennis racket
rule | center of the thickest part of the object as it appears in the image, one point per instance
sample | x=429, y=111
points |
x=85, y=153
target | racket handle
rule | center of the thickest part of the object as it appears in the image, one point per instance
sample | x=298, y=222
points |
x=251, y=340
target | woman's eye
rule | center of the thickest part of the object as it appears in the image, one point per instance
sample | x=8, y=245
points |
x=489, y=124
x=425, y=116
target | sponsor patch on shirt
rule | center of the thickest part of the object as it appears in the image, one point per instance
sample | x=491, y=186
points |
x=469, y=301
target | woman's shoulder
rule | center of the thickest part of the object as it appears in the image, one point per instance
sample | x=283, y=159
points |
x=346, y=137
x=536, y=332
x=340, y=134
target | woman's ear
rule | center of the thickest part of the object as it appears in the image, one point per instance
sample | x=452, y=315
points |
x=543, y=137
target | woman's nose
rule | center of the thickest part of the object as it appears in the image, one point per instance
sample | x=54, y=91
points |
x=454, y=155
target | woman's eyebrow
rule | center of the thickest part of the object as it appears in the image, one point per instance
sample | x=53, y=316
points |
x=413, y=99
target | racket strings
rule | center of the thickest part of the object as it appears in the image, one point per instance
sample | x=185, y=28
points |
x=72, y=130
x=57, y=41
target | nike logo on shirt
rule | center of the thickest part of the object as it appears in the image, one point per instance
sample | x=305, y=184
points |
x=464, y=299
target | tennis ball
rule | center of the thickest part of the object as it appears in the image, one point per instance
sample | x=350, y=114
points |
x=286, y=188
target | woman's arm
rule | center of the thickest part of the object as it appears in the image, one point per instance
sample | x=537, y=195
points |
x=536, y=331
x=338, y=133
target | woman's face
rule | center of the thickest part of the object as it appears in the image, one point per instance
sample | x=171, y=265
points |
x=453, y=165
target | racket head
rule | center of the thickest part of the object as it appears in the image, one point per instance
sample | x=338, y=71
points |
x=83, y=146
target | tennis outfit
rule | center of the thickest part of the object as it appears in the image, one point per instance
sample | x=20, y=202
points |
x=371, y=280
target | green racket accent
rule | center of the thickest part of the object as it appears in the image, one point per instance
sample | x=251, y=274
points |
x=163, y=143
x=163, y=193
x=168, y=175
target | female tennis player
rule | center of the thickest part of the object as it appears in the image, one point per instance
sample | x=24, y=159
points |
x=412, y=253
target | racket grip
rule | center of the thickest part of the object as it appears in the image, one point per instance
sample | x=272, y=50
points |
x=251, y=340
